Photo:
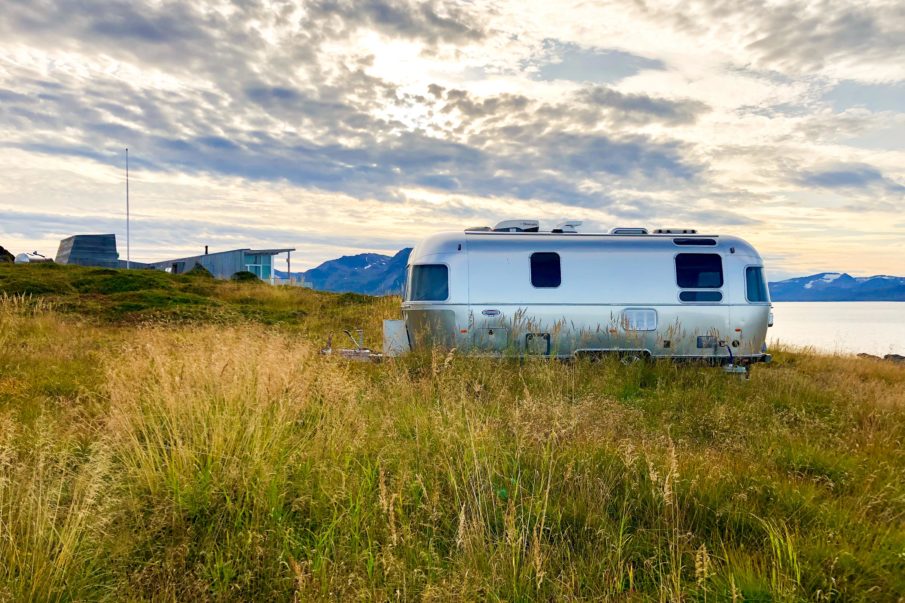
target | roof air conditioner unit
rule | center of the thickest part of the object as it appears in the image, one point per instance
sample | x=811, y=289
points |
x=517, y=226
x=569, y=227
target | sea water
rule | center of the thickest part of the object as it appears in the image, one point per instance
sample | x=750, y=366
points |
x=840, y=327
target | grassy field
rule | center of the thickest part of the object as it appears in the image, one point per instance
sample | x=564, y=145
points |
x=175, y=438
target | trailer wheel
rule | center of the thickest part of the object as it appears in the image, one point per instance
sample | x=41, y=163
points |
x=630, y=359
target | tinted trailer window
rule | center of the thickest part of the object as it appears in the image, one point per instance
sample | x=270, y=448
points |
x=545, y=270
x=699, y=270
x=430, y=282
x=755, y=287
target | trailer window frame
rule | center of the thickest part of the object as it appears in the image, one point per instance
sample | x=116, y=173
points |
x=715, y=296
x=535, y=278
x=412, y=289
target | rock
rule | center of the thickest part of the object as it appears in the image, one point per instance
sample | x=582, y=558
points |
x=894, y=358
x=870, y=356
x=5, y=256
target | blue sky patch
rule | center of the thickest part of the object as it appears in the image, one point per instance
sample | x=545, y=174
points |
x=575, y=63
x=873, y=97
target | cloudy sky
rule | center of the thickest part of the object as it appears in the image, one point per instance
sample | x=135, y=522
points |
x=338, y=127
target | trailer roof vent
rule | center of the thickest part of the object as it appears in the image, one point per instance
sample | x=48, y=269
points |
x=517, y=226
x=629, y=231
x=569, y=227
x=478, y=229
x=685, y=231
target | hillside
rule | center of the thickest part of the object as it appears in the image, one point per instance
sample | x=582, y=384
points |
x=175, y=438
x=141, y=296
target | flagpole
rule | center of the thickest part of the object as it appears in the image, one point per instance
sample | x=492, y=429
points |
x=128, y=242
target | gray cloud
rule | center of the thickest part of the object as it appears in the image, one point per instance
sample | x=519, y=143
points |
x=797, y=37
x=329, y=137
x=302, y=115
x=811, y=40
x=170, y=32
x=851, y=176
x=432, y=22
x=641, y=107
x=592, y=105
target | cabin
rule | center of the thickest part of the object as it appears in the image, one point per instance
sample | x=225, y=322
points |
x=513, y=289
x=224, y=264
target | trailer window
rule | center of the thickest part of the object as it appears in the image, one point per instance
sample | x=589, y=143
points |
x=707, y=242
x=430, y=282
x=700, y=296
x=699, y=270
x=545, y=269
x=639, y=319
x=755, y=287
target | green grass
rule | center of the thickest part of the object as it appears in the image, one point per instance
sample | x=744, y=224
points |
x=178, y=438
x=125, y=298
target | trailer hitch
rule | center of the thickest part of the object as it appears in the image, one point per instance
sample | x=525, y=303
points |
x=732, y=368
x=359, y=352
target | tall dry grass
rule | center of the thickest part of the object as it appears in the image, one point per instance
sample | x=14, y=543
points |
x=53, y=512
x=235, y=463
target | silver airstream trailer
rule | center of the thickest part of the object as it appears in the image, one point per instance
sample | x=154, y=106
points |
x=514, y=289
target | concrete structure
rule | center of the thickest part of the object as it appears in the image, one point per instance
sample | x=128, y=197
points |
x=89, y=250
x=97, y=250
x=224, y=264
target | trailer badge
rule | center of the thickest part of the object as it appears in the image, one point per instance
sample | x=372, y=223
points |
x=490, y=312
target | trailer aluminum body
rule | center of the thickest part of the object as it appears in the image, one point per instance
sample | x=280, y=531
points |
x=564, y=294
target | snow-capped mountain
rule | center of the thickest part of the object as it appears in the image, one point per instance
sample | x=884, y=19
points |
x=839, y=286
x=368, y=273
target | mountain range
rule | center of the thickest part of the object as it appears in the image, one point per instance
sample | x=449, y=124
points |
x=839, y=286
x=368, y=273
x=377, y=274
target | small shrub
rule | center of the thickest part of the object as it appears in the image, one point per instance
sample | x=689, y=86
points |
x=199, y=271
x=353, y=299
x=244, y=276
